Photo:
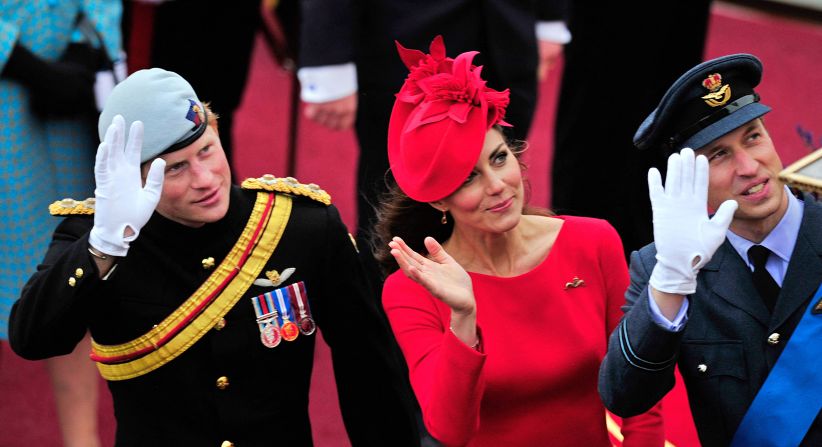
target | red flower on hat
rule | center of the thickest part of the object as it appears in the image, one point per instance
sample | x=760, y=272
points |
x=442, y=87
x=421, y=66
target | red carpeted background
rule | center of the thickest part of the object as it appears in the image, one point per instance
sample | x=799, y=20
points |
x=789, y=49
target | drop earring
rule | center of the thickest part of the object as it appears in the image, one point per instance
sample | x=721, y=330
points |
x=444, y=219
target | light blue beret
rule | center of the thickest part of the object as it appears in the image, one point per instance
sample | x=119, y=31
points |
x=172, y=115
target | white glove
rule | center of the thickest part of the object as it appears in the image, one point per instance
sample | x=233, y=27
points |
x=121, y=200
x=685, y=237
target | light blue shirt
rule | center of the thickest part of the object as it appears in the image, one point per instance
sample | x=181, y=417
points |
x=780, y=241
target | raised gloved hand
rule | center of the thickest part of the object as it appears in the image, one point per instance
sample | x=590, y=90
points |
x=123, y=204
x=685, y=237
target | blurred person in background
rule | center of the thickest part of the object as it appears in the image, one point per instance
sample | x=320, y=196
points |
x=56, y=60
x=625, y=64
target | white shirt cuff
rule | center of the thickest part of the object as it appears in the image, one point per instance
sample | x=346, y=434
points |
x=555, y=31
x=679, y=321
x=328, y=82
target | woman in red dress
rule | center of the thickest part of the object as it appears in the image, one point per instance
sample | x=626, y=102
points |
x=502, y=312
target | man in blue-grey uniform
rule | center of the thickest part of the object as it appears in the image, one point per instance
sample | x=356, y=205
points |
x=202, y=297
x=733, y=298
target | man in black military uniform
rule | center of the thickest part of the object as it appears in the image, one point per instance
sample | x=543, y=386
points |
x=202, y=297
x=734, y=299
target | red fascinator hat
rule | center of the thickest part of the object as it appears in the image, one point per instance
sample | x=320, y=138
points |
x=439, y=121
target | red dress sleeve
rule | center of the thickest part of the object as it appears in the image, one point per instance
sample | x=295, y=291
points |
x=647, y=429
x=445, y=373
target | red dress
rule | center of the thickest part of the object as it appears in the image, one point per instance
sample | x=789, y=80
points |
x=535, y=381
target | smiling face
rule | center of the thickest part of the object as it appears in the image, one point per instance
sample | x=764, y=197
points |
x=744, y=166
x=491, y=198
x=197, y=182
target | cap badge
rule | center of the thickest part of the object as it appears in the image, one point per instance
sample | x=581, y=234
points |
x=719, y=94
x=195, y=113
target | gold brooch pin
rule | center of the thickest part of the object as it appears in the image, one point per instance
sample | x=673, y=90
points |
x=574, y=283
x=208, y=263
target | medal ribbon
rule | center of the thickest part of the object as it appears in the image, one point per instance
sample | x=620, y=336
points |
x=304, y=321
x=286, y=313
x=298, y=291
x=209, y=303
x=264, y=309
x=269, y=305
x=289, y=330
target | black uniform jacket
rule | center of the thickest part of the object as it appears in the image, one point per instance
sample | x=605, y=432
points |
x=266, y=400
x=723, y=352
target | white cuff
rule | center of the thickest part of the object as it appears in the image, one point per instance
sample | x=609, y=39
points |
x=671, y=278
x=555, y=31
x=679, y=320
x=328, y=82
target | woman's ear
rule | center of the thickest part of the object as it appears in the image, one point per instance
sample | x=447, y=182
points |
x=439, y=206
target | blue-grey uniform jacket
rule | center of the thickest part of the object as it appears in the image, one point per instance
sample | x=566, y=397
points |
x=723, y=353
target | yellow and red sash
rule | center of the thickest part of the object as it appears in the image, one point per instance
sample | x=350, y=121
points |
x=209, y=303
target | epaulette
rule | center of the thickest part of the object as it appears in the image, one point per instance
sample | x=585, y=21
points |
x=288, y=185
x=68, y=207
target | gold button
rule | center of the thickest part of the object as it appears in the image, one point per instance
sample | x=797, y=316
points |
x=220, y=324
x=78, y=273
x=208, y=263
x=773, y=339
x=227, y=444
x=222, y=382
x=72, y=281
x=702, y=368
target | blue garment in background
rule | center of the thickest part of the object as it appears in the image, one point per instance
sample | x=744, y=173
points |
x=41, y=160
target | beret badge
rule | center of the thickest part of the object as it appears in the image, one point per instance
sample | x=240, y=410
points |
x=195, y=113
x=719, y=94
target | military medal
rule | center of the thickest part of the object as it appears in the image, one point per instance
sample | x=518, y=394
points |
x=288, y=329
x=306, y=323
x=267, y=320
x=270, y=335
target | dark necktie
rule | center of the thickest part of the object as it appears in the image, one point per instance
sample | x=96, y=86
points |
x=763, y=281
